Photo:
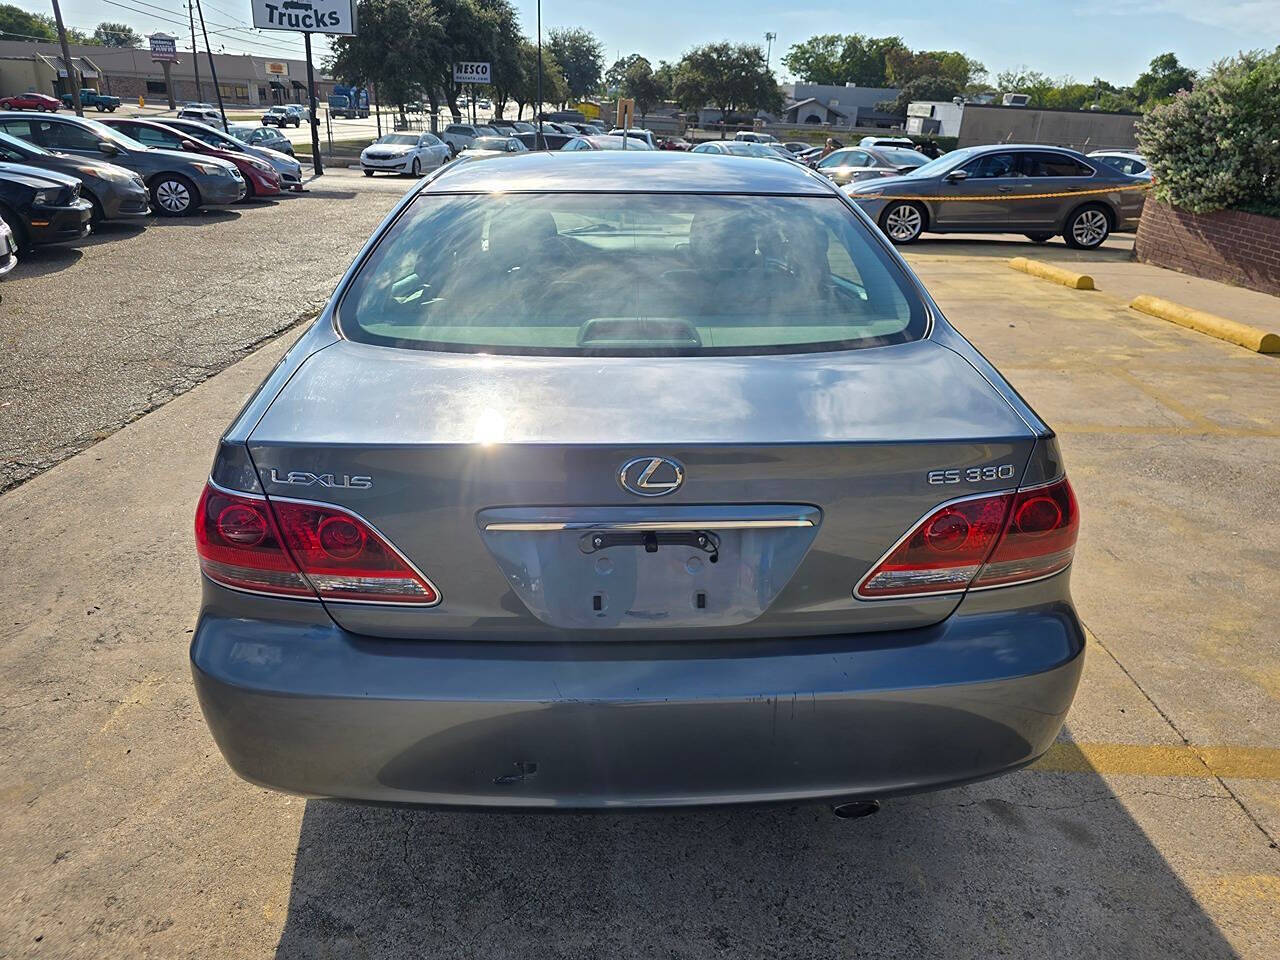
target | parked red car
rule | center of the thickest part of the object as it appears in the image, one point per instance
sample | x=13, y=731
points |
x=674, y=143
x=30, y=101
x=260, y=178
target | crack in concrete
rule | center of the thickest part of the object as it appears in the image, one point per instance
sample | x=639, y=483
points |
x=1271, y=840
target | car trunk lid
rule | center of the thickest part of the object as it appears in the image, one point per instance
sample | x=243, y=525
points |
x=495, y=475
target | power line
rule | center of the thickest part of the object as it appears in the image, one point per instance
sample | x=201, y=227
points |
x=229, y=29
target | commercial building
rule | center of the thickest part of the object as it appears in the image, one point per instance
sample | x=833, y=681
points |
x=980, y=123
x=129, y=73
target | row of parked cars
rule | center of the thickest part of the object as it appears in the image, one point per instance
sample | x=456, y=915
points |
x=59, y=175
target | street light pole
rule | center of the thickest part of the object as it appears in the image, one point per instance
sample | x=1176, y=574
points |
x=66, y=61
x=768, y=39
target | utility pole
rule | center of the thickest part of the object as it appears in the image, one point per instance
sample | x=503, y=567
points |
x=538, y=143
x=769, y=38
x=317, y=165
x=195, y=51
x=213, y=70
x=72, y=82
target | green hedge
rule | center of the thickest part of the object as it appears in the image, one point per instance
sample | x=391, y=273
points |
x=1217, y=146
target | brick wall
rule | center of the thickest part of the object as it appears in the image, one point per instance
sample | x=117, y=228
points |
x=1229, y=246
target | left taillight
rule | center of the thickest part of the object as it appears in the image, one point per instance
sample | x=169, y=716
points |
x=989, y=540
x=290, y=549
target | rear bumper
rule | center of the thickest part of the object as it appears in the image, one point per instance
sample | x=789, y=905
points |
x=305, y=707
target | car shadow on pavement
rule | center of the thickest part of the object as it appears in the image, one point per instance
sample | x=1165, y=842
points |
x=1002, y=246
x=42, y=261
x=1036, y=865
x=200, y=218
x=112, y=230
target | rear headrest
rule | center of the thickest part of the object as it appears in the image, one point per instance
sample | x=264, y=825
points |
x=516, y=235
x=723, y=240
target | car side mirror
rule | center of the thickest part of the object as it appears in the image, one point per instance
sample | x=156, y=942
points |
x=189, y=145
x=107, y=147
x=955, y=176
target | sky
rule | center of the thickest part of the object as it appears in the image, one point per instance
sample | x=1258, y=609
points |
x=1113, y=39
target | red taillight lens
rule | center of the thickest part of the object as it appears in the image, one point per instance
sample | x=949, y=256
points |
x=346, y=559
x=984, y=541
x=301, y=550
x=1040, y=539
x=240, y=547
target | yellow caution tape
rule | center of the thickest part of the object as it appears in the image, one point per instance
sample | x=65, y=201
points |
x=1002, y=196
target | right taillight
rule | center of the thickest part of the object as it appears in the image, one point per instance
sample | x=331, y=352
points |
x=291, y=549
x=978, y=542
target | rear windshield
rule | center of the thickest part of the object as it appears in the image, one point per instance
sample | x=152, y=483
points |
x=634, y=274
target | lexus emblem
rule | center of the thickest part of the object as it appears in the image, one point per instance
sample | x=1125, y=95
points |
x=651, y=476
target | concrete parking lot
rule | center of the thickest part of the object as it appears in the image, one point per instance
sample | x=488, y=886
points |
x=1149, y=830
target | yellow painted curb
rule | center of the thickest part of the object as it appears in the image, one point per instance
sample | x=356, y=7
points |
x=1259, y=341
x=1076, y=281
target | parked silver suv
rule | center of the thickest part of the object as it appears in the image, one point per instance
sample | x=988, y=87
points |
x=1005, y=188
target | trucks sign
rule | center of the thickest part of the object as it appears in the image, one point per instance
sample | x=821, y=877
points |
x=306, y=16
x=471, y=72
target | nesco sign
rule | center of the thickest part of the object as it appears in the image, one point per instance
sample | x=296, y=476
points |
x=471, y=72
x=306, y=16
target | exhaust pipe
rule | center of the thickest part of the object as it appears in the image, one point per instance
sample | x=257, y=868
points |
x=856, y=809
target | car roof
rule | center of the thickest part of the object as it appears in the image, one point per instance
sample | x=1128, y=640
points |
x=641, y=171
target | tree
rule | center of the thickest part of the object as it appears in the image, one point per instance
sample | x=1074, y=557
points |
x=580, y=55
x=728, y=76
x=116, y=35
x=1036, y=85
x=1162, y=79
x=397, y=48
x=642, y=86
x=834, y=58
x=525, y=91
x=617, y=72
x=18, y=24
x=921, y=88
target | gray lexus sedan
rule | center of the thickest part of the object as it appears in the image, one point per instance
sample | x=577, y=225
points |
x=1006, y=188
x=759, y=526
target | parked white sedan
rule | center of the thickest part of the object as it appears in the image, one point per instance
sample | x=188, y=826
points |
x=411, y=153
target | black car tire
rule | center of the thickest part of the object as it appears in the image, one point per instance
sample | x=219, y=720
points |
x=1087, y=227
x=177, y=184
x=1039, y=237
x=903, y=221
x=99, y=214
x=416, y=169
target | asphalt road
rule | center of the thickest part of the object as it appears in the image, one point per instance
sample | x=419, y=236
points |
x=1149, y=830
x=94, y=334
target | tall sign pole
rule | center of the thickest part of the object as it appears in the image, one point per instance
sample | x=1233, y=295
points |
x=334, y=17
x=213, y=70
x=164, y=49
x=195, y=51
x=317, y=165
x=538, y=143
x=72, y=82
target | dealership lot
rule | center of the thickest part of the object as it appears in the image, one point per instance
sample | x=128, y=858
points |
x=1150, y=829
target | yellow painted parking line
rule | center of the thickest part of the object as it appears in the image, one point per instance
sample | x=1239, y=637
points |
x=1154, y=760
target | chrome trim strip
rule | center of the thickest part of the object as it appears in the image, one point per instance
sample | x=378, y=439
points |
x=547, y=526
